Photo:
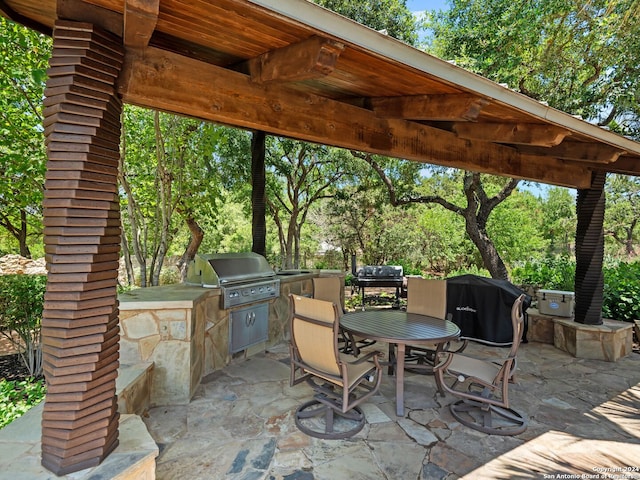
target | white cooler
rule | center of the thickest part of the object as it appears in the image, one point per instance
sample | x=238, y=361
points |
x=556, y=302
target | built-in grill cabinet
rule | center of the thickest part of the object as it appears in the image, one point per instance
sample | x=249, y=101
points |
x=249, y=326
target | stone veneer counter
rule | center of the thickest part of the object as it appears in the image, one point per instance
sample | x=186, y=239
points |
x=185, y=333
x=166, y=325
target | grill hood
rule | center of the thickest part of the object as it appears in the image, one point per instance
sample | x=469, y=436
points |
x=221, y=269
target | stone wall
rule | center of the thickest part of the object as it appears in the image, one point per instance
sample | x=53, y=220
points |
x=185, y=333
x=609, y=342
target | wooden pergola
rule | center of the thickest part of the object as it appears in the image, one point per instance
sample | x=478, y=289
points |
x=285, y=67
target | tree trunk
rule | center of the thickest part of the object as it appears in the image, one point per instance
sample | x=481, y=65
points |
x=490, y=257
x=22, y=235
x=131, y=278
x=197, y=234
x=258, y=194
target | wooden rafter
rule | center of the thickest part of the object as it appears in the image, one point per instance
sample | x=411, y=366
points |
x=311, y=58
x=580, y=151
x=170, y=82
x=457, y=107
x=80, y=11
x=514, y=134
x=140, y=18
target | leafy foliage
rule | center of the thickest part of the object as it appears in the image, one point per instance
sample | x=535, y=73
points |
x=23, y=63
x=621, y=283
x=167, y=176
x=16, y=397
x=22, y=297
x=622, y=213
x=552, y=273
x=391, y=16
x=621, y=292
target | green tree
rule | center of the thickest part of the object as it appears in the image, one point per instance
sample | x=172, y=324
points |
x=559, y=220
x=481, y=195
x=390, y=16
x=623, y=211
x=578, y=57
x=23, y=63
x=303, y=174
x=168, y=180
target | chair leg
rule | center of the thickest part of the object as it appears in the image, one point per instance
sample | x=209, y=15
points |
x=336, y=425
x=490, y=419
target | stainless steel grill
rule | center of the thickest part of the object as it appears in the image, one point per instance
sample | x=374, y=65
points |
x=247, y=282
x=243, y=278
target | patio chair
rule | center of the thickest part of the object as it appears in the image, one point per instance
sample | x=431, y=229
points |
x=483, y=385
x=330, y=289
x=340, y=381
x=424, y=297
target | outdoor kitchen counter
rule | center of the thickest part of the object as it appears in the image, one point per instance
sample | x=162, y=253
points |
x=185, y=332
x=165, y=296
x=168, y=325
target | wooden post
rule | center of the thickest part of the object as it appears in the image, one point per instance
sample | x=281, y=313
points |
x=258, y=195
x=82, y=243
x=589, y=284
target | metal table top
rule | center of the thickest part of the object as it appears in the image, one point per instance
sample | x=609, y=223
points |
x=397, y=326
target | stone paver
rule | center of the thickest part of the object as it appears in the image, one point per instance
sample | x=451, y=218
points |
x=584, y=417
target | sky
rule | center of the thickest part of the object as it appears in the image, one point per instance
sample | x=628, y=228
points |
x=421, y=5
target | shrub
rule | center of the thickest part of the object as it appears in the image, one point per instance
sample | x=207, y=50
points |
x=22, y=298
x=621, y=292
x=557, y=273
x=621, y=283
x=18, y=397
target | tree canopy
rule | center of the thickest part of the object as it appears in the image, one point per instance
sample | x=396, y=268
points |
x=23, y=62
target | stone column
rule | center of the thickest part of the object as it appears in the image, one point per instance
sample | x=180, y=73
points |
x=589, y=284
x=82, y=243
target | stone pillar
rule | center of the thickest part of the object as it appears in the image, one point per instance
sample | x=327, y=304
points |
x=589, y=284
x=82, y=243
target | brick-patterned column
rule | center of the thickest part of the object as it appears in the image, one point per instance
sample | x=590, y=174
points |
x=82, y=244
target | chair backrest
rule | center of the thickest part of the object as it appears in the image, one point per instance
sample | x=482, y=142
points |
x=427, y=297
x=517, y=320
x=314, y=333
x=329, y=289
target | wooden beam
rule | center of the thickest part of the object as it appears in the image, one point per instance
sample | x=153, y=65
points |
x=140, y=18
x=625, y=165
x=512, y=133
x=457, y=107
x=580, y=151
x=312, y=58
x=80, y=11
x=167, y=81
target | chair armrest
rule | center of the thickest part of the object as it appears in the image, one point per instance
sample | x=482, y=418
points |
x=443, y=359
x=463, y=341
x=367, y=357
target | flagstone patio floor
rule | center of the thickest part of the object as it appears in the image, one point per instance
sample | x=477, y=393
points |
x=584, y=422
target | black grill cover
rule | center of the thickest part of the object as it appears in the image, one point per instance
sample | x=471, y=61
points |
x=481, y=307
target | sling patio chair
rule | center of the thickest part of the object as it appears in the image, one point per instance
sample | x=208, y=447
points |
x=424, y=297
x=483, y=385
x=340, y=381
x=331, y=289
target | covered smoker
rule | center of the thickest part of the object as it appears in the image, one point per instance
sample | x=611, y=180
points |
x=481, y=307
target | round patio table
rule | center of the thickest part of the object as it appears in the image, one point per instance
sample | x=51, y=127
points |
x=400, y=328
